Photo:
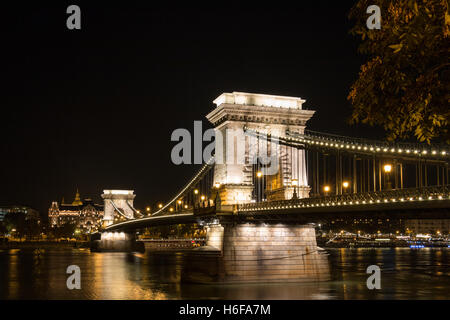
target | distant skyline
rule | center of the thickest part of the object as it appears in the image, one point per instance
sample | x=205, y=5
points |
x=94, y=108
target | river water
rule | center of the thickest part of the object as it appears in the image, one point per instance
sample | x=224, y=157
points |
x=405, y=274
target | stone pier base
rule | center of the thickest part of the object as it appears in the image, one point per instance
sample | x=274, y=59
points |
x=117, y=242
x=258, y=253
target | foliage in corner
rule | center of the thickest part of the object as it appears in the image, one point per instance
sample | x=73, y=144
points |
x=404, y=86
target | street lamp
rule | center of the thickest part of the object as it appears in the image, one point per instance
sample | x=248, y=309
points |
x=217, y=185
x=202, y=198
x=147, y=209
x=326, y=189
x=345, y=185
x=387, y=170
x=160, y=205
x=259, y=174
x=295, y=184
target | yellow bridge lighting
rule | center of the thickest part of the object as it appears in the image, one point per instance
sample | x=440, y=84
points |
x=147, y=209
x=171, y=209
x=345, y=184
x=387, y=168
x=259, y=174
x=160, y=205
x=179, y=201
x=196, y=191
x=326, y=188
x=202, y=197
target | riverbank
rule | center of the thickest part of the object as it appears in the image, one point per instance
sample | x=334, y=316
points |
x=384, y=244
x=44, y=244
x=184, y=245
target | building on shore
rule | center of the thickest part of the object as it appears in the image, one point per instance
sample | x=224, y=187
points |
x=428, y=226
x=29, y=213
x=85, y=214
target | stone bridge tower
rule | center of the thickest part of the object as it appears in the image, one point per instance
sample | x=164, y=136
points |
x=236, y=150
x=120, y=202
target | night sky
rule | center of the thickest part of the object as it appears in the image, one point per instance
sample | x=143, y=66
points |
x=95, y=108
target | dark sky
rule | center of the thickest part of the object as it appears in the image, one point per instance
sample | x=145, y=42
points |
x=94, y=108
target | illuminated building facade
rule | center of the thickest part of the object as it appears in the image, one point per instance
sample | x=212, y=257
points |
x=85, y=214
x=429, y=226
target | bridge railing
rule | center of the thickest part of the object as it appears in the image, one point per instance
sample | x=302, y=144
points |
x=359, y=145
x=386, y=196
x=420, y=147
x=375, y=146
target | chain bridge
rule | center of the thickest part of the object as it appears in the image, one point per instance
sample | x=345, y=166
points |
x=271, y=179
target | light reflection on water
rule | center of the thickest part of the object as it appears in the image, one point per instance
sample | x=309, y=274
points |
x=32, y=274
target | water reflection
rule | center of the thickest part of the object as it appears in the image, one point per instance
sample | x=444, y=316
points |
x=41, y=274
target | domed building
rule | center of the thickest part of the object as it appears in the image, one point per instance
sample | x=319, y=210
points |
x=86, y=214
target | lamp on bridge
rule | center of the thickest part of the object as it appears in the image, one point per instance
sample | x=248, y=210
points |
x=202, y=198
x=160, y=205
x=326, y=189
x=345, y=185
x=295, y=185
x=259, y=174
x=387, y=170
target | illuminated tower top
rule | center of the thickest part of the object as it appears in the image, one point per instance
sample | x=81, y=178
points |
x=260, y=100
x=77, y=201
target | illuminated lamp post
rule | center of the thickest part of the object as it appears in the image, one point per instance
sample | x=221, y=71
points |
x=345, y=185
x=326, y=189
x=202, y=198
x=387, y=170
x=295, y=184
x=195, y=197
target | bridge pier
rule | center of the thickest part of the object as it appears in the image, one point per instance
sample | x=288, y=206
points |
x=117, y=242
x=258, y=253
